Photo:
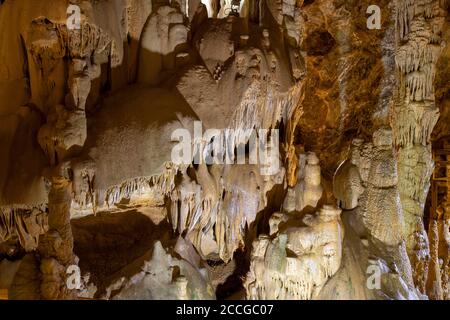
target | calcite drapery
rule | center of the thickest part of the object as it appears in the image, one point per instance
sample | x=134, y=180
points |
x=366, y=186
x=308, y=190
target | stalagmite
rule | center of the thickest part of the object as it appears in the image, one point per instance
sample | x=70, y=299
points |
x=298, y=261
x=27, y=224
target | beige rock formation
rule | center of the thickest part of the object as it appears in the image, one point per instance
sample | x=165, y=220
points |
x=298, y=261
x=306, y=146
x=163, y=278
x=419, y=46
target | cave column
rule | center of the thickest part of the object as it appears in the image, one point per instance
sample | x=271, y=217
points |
x=445, y=234
x=415, y=115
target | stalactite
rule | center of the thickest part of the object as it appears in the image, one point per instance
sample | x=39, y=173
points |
x=230, y=212
x=56, y=245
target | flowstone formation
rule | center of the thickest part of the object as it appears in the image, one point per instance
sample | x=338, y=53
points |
x=214, y=149
x=419, y=45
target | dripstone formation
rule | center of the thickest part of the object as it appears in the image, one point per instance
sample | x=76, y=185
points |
x=212, y=149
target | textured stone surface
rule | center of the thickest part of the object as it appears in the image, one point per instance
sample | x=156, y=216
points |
x=88, y=178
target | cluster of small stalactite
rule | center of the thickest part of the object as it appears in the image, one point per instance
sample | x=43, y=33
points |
x=263, y=107
x=88, y=198
x=66, y=127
